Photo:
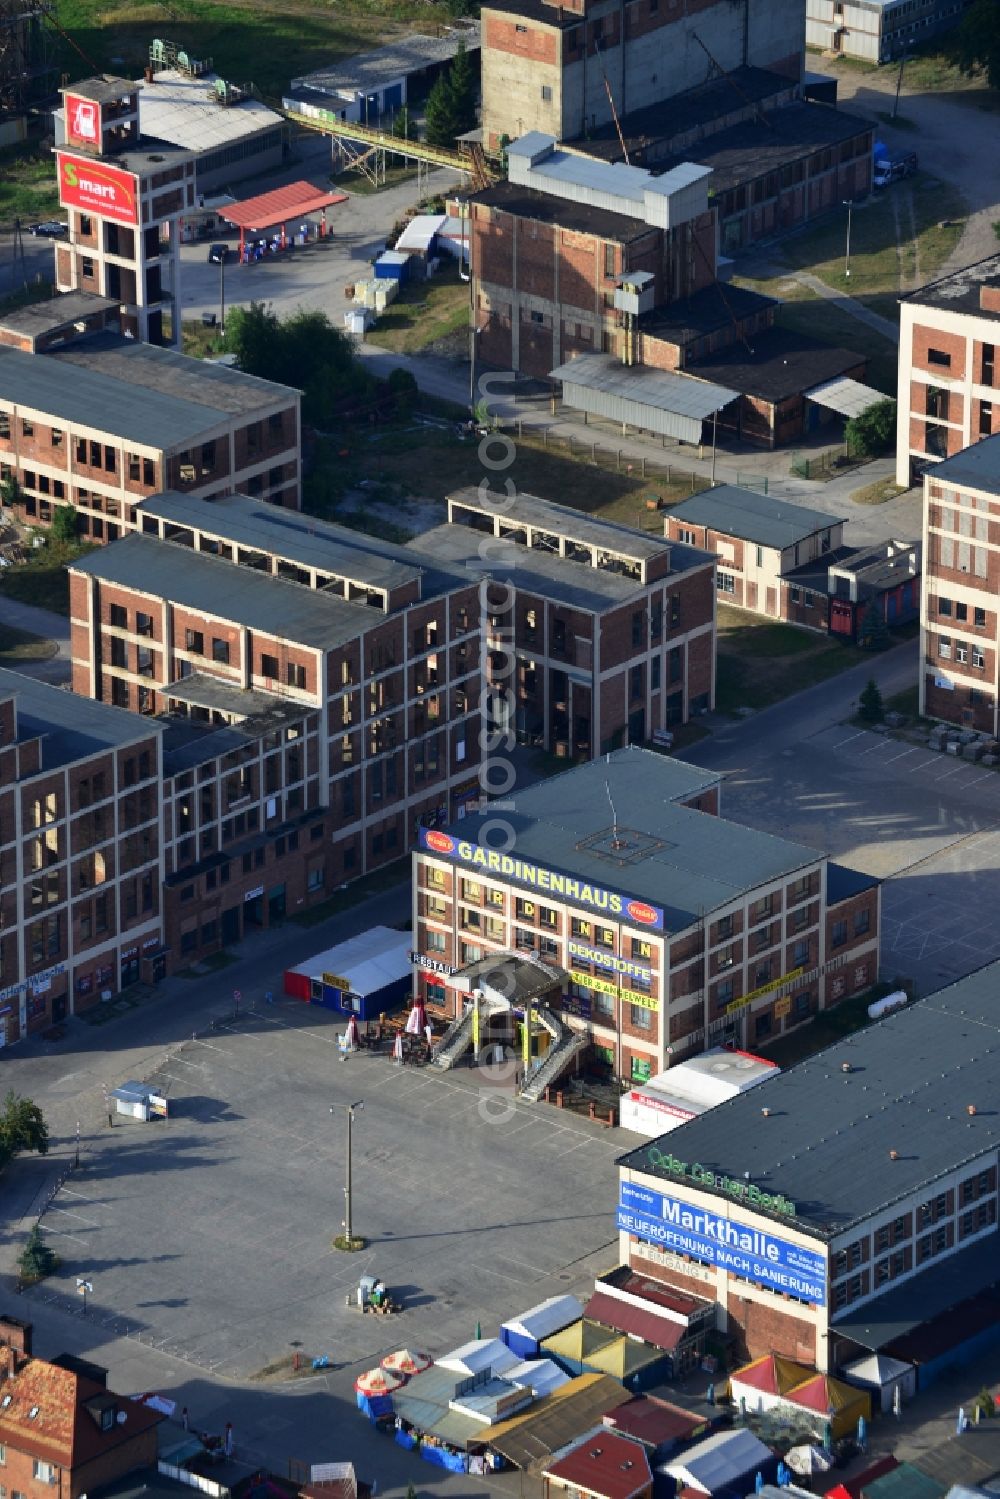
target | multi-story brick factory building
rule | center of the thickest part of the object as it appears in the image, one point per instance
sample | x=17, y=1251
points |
x=321, y=690
x=597, y=635
x=959, y=673
x=569, y=69
x=662, y=928
x=846, y=1207
x=98, y=421
x=81, y=858
x=949, y=377
x=125, y=198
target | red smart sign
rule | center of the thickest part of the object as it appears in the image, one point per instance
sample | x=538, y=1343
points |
x=83, y=120
x=97, y=188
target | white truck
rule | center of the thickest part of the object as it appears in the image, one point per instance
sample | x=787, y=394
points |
x=889, y=169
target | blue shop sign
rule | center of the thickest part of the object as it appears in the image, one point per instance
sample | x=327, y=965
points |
x=751, y=1253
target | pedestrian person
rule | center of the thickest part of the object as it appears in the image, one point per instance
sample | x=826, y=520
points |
x=230, y=1447
x=111, y=1117
x=185, y=1419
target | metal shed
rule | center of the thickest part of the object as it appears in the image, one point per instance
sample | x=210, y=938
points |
x=845, y=396
x=655, y=400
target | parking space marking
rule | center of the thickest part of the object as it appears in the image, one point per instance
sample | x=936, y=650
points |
x=901, y=756
x=849, y=740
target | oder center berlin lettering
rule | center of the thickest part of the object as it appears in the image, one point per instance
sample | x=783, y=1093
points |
x=772, y=1202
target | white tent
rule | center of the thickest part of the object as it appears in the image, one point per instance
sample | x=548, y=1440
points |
x=480, y=1354
x=876, y=1371
x=720, y=1461
x=541, y=1375
x=524, y=1334
x=420, y=231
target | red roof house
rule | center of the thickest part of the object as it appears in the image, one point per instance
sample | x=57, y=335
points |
x=603, y=1465
x=62, y=1426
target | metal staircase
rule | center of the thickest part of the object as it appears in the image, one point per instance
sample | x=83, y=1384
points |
x=566, y=1044
x=456, y=1040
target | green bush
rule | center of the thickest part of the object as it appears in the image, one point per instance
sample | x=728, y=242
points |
x=870, y=703
x=36, y=1259
x=874, y=431
x=65, y=523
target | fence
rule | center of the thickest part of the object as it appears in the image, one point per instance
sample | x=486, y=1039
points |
x=826, y=464
x=610, y=458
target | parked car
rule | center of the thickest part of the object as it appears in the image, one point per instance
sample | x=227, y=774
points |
x=891, y=168
x=48, y=229
x=218, y=254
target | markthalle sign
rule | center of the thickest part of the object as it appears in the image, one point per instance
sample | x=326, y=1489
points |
x=741, y=1249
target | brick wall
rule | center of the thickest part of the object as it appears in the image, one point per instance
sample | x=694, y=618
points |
x=761, y=1328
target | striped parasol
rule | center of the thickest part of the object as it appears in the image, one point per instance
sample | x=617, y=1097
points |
x=406, y=1362
x=377, y=1382
x=397, y=1048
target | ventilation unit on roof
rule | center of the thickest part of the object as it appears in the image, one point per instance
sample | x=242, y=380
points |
x=33, y=1413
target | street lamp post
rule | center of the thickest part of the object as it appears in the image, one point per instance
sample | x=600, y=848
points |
x=847, y=268
x=76, y=1160
x=83, y=1286
x=220, y=256
x=348, y=1214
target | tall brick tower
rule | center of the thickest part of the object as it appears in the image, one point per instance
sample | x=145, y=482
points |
x=125, y=198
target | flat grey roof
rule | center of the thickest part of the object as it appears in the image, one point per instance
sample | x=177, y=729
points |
x=217, y=387
x=845, y=396
x=942, y=1285
x=184, y=110
x=559, y=578
x=759, y=518
x=960, y=291
x=218, y=589
x=90, y=398
x=68, y=307
x=678, y=394
x=103, y=87
x=411, y=54
x=70, y=727
x=288, y=534
x=148, y=156
x=687, y=862
x=203, y=690
x=564, y=520
x=912, y=1077
x=977, y=466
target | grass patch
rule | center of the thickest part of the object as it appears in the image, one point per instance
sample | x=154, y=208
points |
x=264, y=42
x=906, y=702
x=43, y=579
x=27, y=185
x=831, y=324
x=899, y=238
x=201, y=342
x=424, y=312
x=18, y=645
x=447, y=463
x=761, y=662
x=877, y=493
x=354, y=180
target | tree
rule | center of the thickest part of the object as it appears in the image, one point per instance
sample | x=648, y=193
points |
x=462, y=82
x=873, y=431
x=440, y=117
x=870, y=703
x=65, y=523
x=22, y=1127
x=304, y=350
x=404, y=389
x=978, y=41
x=10, y=492
x=403, y=127
x=874, y=632
x=36, y=1259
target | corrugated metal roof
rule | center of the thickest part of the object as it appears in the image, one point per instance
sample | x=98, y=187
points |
x=623, y=1316
x=604, y=1463
x=846, y=396
x=760, y=518
x=268, y=209
x=656, y=400
x=372, y=70
x=185, y=111
x=530, y=1440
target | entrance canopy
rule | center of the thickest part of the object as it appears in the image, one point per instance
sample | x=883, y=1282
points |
x=276, y=207
x=671, y=405
x=846, y=397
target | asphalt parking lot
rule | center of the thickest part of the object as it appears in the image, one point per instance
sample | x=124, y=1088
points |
x=210, y=1234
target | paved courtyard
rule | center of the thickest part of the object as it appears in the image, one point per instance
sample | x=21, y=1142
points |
x=210, y=1234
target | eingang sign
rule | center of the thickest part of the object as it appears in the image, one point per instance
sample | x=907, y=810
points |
x=753, y=1254
x=564, y=886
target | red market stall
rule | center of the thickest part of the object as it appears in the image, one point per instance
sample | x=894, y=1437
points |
x=273, y=210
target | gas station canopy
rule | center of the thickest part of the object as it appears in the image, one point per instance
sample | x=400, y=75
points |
x=276, y=207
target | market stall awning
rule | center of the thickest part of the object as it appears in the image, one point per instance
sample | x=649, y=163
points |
x=845, y=396
x=280, y=205
x=635, y=1321
x=655, y=400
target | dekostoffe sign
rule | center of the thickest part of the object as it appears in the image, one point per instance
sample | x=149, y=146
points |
x=753, y=1254
x=700, y=1176
x=565, y=887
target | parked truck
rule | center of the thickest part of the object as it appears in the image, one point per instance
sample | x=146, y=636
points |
x=890, y=168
